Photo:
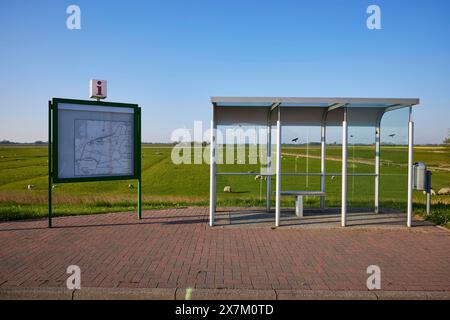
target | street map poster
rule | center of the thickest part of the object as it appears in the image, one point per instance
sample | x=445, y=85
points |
x=94, y=141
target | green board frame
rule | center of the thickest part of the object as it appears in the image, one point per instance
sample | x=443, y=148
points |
x=53, y=148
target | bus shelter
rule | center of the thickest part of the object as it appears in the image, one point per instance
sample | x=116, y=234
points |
x=321, y=112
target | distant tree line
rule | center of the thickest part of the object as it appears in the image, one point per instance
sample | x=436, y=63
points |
x=38, y=142
x=8, y=142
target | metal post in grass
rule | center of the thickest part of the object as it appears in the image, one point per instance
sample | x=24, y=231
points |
x=140, y=165
x=428, y=189
x=49, y=164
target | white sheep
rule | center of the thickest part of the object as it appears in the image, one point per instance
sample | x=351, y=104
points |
x=227, y=189
x=444, y=191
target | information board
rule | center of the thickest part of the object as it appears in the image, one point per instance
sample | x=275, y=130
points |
x=94, y=140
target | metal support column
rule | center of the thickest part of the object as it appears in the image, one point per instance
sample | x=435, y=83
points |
x=50, y=162
x=410, y=167
x=322, y=158
x=377, y=167
x=278, y=173
x=269, y=163
x=212, y=173
x=344, y=170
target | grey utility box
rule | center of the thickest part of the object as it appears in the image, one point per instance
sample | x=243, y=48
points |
x=422, y=181
x=420, y=176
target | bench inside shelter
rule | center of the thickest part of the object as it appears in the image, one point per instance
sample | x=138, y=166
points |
x=299, y=194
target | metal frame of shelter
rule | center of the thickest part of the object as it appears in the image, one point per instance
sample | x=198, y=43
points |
x=53, y=131
x=308, y=111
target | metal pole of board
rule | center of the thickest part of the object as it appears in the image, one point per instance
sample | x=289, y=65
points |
x=49, y=164
x=139, y=198
x=140, y=166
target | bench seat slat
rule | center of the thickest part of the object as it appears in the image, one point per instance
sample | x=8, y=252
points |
x=302, y=193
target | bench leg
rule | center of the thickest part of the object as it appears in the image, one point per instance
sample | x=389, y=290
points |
x=299, y=206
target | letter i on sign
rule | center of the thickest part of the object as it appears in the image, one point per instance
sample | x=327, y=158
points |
x=97, y=89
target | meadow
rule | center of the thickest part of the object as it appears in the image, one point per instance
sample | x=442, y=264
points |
x=167, y=185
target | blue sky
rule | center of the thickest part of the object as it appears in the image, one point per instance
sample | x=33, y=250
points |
x=171, y=56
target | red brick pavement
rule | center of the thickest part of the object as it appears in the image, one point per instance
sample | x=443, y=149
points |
x=176, y=249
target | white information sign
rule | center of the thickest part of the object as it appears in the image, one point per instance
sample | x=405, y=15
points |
x=97, y=89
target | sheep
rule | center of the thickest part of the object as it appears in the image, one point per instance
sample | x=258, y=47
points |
x=432, y=192
x=130, y=186
x=444, y=191
x=30, y=186
x=227, y=189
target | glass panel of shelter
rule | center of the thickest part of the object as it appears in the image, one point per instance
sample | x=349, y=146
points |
x=242, y=164
x=394, y=159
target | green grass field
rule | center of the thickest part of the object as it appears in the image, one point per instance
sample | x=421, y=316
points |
x=168, y=185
